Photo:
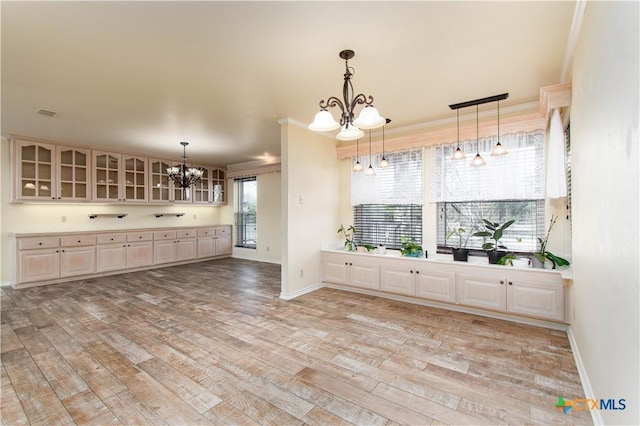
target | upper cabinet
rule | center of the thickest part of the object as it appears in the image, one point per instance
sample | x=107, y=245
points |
x=50, y=172
x=47, y=172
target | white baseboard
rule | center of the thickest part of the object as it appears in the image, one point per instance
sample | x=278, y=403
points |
x=584, y=378
x=298, y=293
x=5, y=283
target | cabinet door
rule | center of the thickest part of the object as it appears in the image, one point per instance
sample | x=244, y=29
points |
x=111, y=257
x=218, y=184
x=159, y=186
x=106, y=176
x=164, y=251
x=202, y=189
x=223, y=245
x=436, y=283
x=335, y=269
x=134, y=178
x=39, y=265
x=537, y=299
x=398, y=277
x=139, y=254
x=74, y=169
x=206, y=247
x=77, y=261
x=186, y=249
x=482, y=291
x=364, y=274
x=35, y=172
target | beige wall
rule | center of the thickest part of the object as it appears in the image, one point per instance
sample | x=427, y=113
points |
x=25, y=218
x=310, y=207
x=604, y=128
x=268, y=216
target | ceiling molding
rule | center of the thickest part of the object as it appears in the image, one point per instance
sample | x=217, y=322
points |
x=572, y=40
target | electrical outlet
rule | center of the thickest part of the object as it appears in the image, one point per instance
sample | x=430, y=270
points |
x=194, y=216
x=267, y=249
x=64, y=218
x=301, y=273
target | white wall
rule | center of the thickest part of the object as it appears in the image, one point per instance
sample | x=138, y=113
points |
x=269, y=224
x=26, y=218
x=310, y=207
x=604, y=134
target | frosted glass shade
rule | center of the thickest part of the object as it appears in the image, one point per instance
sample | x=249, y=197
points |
x=323, y=122
x=477, y=161
x=357, y=167
x=458, y=155
x=498, y=150
x=350, y=133
x=371, y=171
x=383, y=163
x=369, y=118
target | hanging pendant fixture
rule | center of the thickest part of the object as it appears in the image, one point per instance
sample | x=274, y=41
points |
x=498, y=149
x=458, y=154
x=182, y=175
x=477, y=160
x=357, y=167
x=370, y=171
x=369, y=117
x=384, y=162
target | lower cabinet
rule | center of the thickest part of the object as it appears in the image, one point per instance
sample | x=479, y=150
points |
x=38, y=265
x=213, y=242
x=77, y=261
x=351, y=270
x=526, y=292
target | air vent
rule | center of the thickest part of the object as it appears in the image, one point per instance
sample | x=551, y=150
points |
x=46, y=112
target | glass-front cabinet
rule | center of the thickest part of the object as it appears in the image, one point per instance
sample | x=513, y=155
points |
x=135, y=178
x=46, y=172
x=106, y=176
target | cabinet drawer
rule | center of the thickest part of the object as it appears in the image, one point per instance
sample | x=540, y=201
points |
x=191, y=233
x=78, y=240
x=139, y=236
x=38, y=242
x=204, y=232
x=111, y=238
x=164, y=235
x=223, y=231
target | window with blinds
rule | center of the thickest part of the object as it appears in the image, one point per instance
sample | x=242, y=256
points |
x=509, y=187
x=388, y=205
x=245, y=211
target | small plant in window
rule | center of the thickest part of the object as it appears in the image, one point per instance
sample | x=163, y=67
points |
x=543, y=254
x=460, y=252
x=410, y=247
x=495, y=232
x=349, y=244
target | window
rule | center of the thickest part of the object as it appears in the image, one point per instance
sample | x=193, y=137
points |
x=245, y=195
x=388, y=205
x=508, y=187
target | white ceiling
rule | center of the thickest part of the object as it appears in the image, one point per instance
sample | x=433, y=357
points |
x=142, y=76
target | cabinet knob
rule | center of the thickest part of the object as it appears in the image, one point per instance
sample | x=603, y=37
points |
x=346, y=263
x=501, y=281
x=350, y=264
x=417, y=272
x=79, y=241
x=39, y=244
x=411, y=271
x=112, y=239
x=510, y=282
x=140, y=237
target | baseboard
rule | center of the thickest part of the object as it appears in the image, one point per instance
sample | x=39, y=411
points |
x=298, y=293
x=584, y=378
x=5, y=283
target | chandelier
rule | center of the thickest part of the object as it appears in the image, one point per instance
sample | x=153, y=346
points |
x=369, y=117
x=183, y=176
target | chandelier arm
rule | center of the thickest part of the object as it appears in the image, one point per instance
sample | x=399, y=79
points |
x=361, y=99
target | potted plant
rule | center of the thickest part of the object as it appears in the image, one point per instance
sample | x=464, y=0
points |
x=349, y=244
x=545, y=257
x=410, y=248
x=460, y=253
x=494, y=231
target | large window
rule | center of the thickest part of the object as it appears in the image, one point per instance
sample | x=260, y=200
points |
x=509, y=187
x=245, y=196
x=388, y=205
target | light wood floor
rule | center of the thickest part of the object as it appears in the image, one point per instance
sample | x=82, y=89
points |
x=211, y=343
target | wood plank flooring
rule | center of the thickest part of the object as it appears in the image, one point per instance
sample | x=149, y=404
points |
x=211, y=343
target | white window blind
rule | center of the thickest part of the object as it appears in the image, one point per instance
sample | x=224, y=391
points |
x=399, y=183
x=519, y=175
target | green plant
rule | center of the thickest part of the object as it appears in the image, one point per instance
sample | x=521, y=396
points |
x=457, y=232
x=544, y=254
x=503, y=260
x=494, y=231
x=349, y=244
x=410, y=247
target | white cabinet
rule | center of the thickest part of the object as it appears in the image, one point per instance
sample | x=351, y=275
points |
x=38, y=265
x=119, y=251
x=162, y=188
x=73, y=174
x=78, y=255
x=119, y=177
x=523, y=292
x=419, y=279
x=351, y=270
x=214, y=242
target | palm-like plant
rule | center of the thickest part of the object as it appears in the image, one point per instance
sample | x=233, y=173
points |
x=494, y=232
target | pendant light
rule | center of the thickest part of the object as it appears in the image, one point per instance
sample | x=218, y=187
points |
x=458, y=154
x=498, y=149
x=370, y=171
x=384, y=162
x=477, y=160
x=357, y=167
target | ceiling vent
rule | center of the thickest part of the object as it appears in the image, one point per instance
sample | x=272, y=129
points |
x=46, y=112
